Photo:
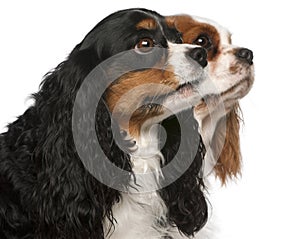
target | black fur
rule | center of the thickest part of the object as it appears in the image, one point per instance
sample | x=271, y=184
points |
x=45, y=191
x=184, y=198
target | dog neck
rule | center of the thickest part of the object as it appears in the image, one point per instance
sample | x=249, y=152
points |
x=147, y=159
x=142, y=207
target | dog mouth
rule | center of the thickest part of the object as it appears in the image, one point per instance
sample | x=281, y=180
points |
x=240, y=89
x=184, y=87
x=235, y=92
x=182, y=92
x=187, y=89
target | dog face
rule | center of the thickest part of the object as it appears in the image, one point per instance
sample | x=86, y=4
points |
x=230, y=67
x=230, y=77
x=161, y=71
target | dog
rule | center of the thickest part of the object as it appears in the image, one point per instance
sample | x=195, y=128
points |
x=218, y=114
x=150, y=86
x=47, y=190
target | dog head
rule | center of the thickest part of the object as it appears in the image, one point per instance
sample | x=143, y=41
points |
x=145, y=73
x=150, y=69
x=230, y=77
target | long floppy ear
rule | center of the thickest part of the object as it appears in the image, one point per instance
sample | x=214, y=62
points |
x=184, y=198
x=229, y=161
x=70, y=202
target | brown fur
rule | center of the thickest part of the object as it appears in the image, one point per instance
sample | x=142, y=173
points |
x=129, y=105
x=149, y=24
x=230, y=161
x=192, y=29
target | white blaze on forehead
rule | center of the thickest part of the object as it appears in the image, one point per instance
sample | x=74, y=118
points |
x=224, y=33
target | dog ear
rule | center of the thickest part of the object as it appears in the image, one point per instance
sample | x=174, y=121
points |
x=229, y=161
x=70, y=202
x=184, y=198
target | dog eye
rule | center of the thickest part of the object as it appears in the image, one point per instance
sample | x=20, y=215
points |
x=144, y=45
x=203, y=41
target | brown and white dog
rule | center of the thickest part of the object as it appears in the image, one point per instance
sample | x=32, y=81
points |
x=231, y=72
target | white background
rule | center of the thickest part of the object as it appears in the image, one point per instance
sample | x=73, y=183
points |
x=264, y=203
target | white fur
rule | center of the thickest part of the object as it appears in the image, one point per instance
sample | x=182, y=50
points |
x=138, y=212
x=185, y=68
x=139, y=209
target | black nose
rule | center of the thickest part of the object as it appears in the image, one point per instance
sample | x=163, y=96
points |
x=245, y=54
x=199, y=54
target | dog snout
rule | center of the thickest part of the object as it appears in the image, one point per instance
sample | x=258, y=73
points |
x=199, y=54
x=245, y=55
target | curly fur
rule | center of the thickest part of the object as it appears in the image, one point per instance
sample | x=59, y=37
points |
x=184, y=198
x=46, y=192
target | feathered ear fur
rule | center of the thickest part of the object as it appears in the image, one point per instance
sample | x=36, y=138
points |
x=187, y=206
x=229, y=162
x=70, y=203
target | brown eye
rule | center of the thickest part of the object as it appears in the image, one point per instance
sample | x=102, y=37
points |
x=144, y=45
x=203, y=41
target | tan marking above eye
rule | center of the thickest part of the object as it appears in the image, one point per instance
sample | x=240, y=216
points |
x=148, y=24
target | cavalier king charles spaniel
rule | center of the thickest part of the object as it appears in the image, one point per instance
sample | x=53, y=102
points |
x=218, y=114
x=122, y=132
